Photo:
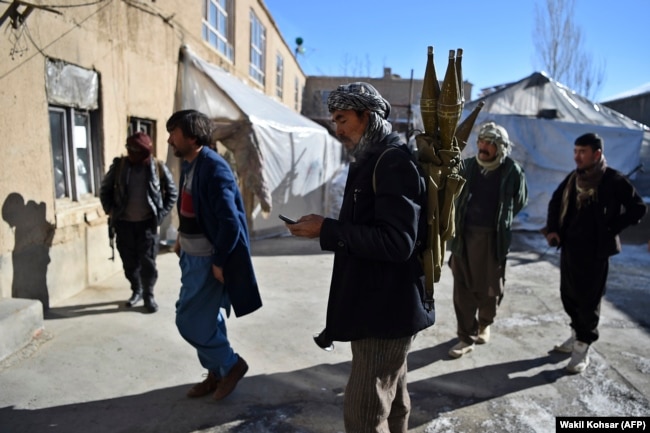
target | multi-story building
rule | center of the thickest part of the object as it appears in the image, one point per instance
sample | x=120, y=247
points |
x=75, y=81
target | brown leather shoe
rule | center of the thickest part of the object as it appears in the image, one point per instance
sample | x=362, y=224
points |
x=204, y=388
x=230, y=380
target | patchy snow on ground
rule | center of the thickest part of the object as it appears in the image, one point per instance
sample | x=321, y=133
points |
x=601, y=394
x=642, y=364
x=519, y=320
x=524, y=415
x=442, y=424
x=616, y=381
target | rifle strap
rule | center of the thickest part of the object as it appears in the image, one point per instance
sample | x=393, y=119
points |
x=374, y=178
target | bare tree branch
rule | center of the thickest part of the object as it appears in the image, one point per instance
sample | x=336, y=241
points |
x=559, y=47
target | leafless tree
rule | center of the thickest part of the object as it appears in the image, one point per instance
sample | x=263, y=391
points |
x=559, y=47
x=345, y=64
x=355, y=67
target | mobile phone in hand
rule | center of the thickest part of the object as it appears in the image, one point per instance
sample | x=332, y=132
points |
x=287, y=220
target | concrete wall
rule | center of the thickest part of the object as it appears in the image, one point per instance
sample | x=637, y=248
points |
x=52, y=248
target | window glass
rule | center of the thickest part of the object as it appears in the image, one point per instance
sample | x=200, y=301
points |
x=147, y=126
x=74, y=164
x=82, y=153
x=57, y=128
x=279, y=76
x=258, y=49
x=212, y=15
x=218, y=24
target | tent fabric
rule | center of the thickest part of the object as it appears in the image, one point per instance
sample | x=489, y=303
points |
x=284, y=158
x=543, y=118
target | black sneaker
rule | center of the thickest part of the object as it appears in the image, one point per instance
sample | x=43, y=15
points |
x=323, y=341
x=150, y=304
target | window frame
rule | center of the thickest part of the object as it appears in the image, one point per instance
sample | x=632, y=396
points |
x=69, y=145
x=296, y=97
x=257, y=50
x=279, y=76
x=218, y=30
x=138, y=124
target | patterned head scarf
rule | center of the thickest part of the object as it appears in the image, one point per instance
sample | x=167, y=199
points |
x=493, y=133
x=361, y=96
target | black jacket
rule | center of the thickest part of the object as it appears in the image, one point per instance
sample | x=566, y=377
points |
x=377, y=287
x=161, y=192
x=619, y=206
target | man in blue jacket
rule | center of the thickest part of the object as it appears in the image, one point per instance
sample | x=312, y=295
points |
x=377, y=296
x=213, y=246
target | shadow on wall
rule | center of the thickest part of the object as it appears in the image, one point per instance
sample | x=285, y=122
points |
x=31, y=254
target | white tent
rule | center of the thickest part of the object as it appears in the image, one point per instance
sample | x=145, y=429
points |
x=543, y=118
x=285, y=161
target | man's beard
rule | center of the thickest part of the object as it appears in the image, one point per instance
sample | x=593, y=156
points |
x=360, y=149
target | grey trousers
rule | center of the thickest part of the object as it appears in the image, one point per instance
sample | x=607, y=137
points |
x=479, y=281
x=376, y=398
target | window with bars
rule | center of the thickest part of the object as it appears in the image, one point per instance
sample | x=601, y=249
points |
x=142, y=125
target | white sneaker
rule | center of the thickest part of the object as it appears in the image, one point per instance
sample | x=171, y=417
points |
x=483, y=335
x=460, y=349
x=567, y=346
x=579, y=357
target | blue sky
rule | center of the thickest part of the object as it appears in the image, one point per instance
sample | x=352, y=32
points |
x=361, y=37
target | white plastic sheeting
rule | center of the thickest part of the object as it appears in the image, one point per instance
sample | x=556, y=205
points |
x=544, y=146
x=284, y=158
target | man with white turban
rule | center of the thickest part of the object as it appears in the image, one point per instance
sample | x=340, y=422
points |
x=494, y=192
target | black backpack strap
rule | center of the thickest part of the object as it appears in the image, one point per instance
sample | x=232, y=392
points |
x=374, y=180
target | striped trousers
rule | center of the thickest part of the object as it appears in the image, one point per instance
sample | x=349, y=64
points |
x=376, y=398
